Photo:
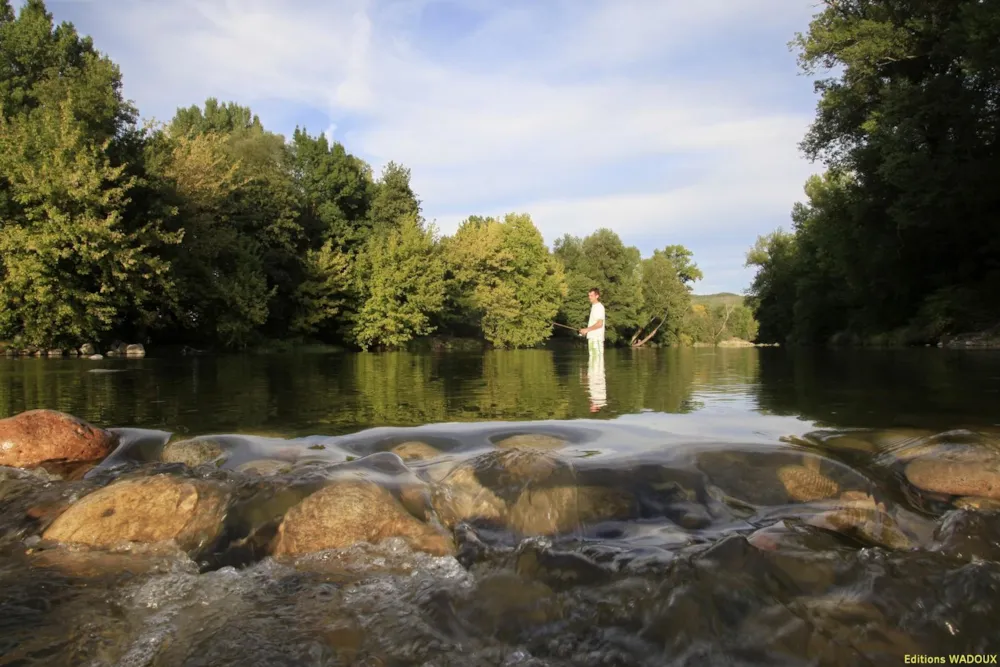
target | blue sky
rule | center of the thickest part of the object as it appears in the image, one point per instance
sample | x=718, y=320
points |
x=668, y=121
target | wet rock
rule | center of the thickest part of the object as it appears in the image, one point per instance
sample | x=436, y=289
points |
x=805, y=484
x=135, y=350
x=865, y=520
x=96, y=357
x=264, y=467
x=37, y=436
x=462, y=497
x=343, y=514
x=146, y=510
x=87, y=349
x=136, y=560
x=193, y=452
x=850, y=444
x=416, y=451
x=957, y=478
x=562, y=509
x=558, y=569
x=978, y=504
x=54, y=353
x=831, y=630
x=967, y=535
x=541, y=441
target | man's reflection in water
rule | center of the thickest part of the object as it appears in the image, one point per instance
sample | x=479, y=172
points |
x=596, y=384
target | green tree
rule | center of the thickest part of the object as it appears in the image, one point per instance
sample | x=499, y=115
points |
x=401, y=279
x=72, y=267
x=666, y=299
x=394, y=199
x=507, y=280
x=602, y=260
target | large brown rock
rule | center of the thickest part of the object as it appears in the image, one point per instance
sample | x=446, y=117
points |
x=39, y=436
x=957, y=478
x=147, y=510
x=347, y=513
x=563, y=509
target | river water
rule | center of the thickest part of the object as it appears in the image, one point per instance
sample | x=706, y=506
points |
x=726, y=506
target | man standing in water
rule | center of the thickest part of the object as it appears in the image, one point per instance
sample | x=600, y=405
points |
x=594, y=331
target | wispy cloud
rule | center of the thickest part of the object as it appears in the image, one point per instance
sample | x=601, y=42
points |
x=666, y=120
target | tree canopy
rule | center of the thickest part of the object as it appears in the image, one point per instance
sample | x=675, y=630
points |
x=212, y=230
x=898, y=240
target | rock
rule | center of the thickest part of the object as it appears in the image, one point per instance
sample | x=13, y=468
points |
x=346, y=513
x=9, y=352
x=863, y=519
x=146, y=510
x=978, y=504
x=849, y=443
x=416, y=451
x=54, y=353
x=135, y=350
x=193, y=452
x=562, y=509
x=264, y=467
x=38, y=436
x=805, y=484
x=87, y=349
x=531, y=441
x=957, y=478
x=73, y=353
x=95, y=357
x=462, y=497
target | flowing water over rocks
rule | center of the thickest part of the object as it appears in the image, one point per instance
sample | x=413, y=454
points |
x=536, y=543
x=734, y=534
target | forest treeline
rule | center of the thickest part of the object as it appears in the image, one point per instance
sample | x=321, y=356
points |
x=899, y=240
x=210, y=230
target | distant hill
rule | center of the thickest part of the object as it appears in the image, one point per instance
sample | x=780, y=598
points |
x=723, y=298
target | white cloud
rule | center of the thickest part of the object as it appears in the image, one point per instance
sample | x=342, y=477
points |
x=519, y=112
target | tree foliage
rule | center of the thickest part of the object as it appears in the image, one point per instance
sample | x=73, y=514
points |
x=901, y=233
x=211, y=230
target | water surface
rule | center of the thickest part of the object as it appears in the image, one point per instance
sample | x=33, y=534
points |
x=770, y=516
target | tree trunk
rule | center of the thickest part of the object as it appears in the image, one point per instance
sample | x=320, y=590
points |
x=647, y=338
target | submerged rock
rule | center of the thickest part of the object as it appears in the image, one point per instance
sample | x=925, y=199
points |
x=863, y=519
x=346, y=513
x=415, y=450
x=531, y=441
x=562, y=509
x=39, y=436
x=978, y=504
x=264, y=467
x=193, y=452
x=957, y=478
x=146, y=510
x=806, y=484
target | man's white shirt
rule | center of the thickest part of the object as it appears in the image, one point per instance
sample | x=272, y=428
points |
x=596, y=313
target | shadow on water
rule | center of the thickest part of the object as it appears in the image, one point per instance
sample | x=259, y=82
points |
x=541, y=507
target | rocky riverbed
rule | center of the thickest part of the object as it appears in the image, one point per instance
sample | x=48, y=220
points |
x=543, y=543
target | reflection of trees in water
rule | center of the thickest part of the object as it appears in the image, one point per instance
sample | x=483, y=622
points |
x=299, y=394
x=929, y=388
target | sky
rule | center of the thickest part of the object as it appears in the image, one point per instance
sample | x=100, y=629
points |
x=667, y=121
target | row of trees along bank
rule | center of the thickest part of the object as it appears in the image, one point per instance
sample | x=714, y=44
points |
x=211, y=230
x=899, y=240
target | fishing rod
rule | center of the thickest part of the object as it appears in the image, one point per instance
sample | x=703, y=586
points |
x=564, y=327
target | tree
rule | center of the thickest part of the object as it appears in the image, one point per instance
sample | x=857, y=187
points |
x=402, y=286
x=510, y=284
x=665, y=297
x=394, y=200
x=72, y=267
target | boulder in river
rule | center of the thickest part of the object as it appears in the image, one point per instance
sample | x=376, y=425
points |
x=562, y=509
x=39, y=436
x=531, y=441
x=144, y=510
x=957, y=478
x=415, y=450
x=193, y=452
x=87, y=349
x=346, y=513
x=135, y=350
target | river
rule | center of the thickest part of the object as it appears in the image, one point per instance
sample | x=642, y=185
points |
x=649, y=507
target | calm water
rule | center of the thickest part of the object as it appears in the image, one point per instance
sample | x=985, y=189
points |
x=698, y=507
x=308, y=394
